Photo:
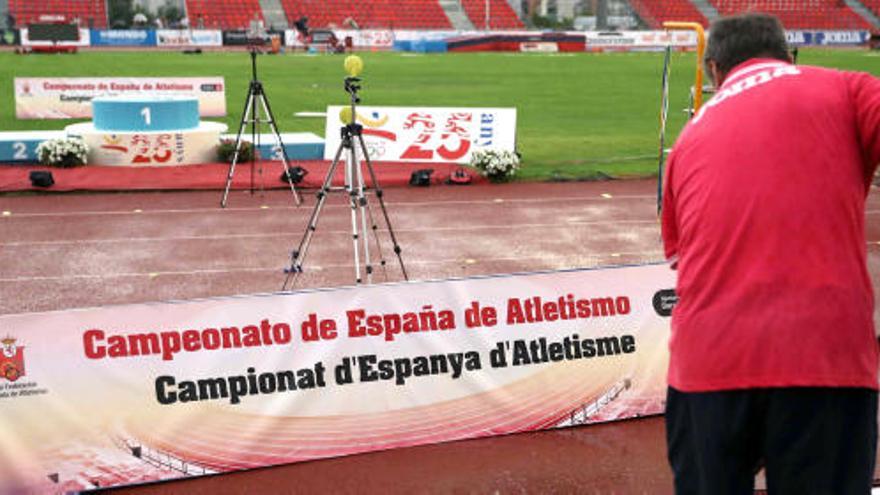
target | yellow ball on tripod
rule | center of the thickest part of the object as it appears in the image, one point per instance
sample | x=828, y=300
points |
x=345, y=115
x=353, y=65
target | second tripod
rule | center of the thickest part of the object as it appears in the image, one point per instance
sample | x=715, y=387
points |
x=255, y=100
x=363, y=223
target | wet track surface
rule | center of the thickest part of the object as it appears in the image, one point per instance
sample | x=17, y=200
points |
x=80, y=250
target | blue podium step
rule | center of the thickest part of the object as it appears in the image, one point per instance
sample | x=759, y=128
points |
x=21, y=147
x=145, y=114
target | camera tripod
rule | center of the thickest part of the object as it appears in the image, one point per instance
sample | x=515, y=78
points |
x=256, y=99
x=362, y=220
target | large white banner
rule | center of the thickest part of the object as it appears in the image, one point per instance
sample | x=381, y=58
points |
x=71, y=97
x=125, y=394
x=426, y=134
x=627, y=40
x=367, y=38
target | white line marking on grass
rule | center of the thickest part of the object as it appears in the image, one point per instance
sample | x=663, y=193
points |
x=260, y=235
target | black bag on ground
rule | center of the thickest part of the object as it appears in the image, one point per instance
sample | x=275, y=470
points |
x=42, y=178
x=297, y=174
x=421, y=178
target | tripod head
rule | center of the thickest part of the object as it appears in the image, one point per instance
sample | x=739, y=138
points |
x=254, y=50
x=352, y=86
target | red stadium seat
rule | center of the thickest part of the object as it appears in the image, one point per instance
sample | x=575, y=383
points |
x=873, y=5
x=800, y=14
x=794, y=14
x=88, y=12
x=236, y=14
x=501, y=15
x=376, y=14
x=656, y=12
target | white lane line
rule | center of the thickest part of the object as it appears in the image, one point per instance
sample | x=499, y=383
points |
x=656, y=255
x=413, y=204
x=294, y=234
x=390, y=205
x=318, y=268
x=509, y=226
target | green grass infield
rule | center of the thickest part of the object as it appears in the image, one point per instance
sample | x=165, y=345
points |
x=580, y=115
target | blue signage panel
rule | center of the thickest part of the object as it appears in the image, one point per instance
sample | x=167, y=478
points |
x=828, y=38
x=123, y=37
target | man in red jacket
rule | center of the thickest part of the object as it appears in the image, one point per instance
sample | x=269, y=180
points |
x=774, y=357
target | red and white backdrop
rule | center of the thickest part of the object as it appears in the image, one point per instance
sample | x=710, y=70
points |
x=125, y=394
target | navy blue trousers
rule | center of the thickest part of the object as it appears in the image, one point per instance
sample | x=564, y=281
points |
x=809, y=440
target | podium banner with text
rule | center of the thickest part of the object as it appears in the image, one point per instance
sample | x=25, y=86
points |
x=124, y=394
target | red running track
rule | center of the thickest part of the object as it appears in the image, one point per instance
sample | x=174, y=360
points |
x=76, y=250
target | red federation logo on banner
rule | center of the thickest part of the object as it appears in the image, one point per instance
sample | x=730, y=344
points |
x=11, y=360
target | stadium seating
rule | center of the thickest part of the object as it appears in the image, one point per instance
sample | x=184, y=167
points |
x=399, y=14
x=799, y=14
x=794, y=14
x=873, y=6
x=501, y=15
x=88, y=12
x=223, y=15
x=656, y=12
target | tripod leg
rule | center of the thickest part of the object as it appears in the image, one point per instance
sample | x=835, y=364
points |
x=664, y=112
x=361, y=203
x=245, y=114
x=255, y=123
x=380, y=252
x=379, y=195
x=285, y=160
x=353, y=200
x=298, y=256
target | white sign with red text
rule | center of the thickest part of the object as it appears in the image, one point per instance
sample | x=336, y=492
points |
x=426, y=134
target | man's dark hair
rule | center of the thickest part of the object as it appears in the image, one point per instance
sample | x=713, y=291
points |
x=733, y=40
